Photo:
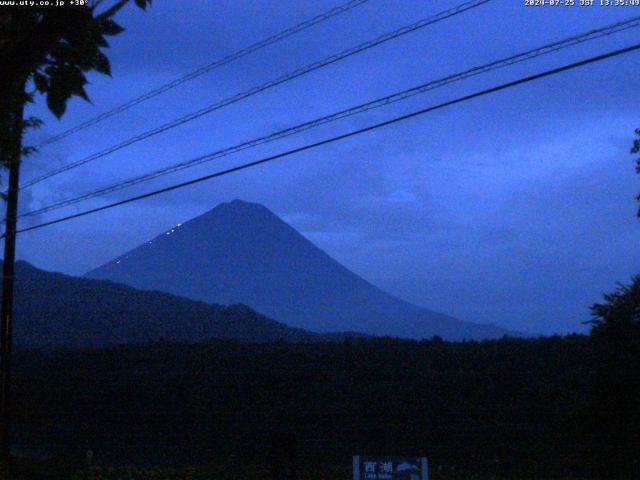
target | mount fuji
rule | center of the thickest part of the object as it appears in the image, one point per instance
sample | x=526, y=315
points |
x=241, y=252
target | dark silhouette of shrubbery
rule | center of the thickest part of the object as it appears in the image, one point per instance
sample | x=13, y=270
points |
x=614, y=413
x=504, y=407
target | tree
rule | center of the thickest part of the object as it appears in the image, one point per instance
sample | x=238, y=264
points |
x=634, y=150
x=616, y=384
x=620, y=314
x=47, y=50
x=615, y=387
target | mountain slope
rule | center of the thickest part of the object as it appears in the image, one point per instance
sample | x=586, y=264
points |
x=54, y=310
x=241, y=252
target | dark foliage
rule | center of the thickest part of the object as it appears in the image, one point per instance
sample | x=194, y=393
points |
x=49, y=49
x=505, y=407
x=635, y=150
x=513, y=408
x=614, y=414
x=54, y=47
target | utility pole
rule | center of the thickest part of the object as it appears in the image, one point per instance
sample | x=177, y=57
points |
x=6, y=310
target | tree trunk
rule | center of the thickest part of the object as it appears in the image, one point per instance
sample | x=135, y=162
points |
x=11, y=124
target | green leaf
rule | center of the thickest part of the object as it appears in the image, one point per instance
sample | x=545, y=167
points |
x=28, y=97
x=101, y=41
x=41, y=82
x=109, y=27
x=143, y=3
x=31, y=122
x=56, y=103
x=61, y=52
x=80, y=92
x=26, y=151
x=72, y=82
x=101, y=63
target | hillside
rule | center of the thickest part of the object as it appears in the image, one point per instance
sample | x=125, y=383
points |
x=241, y=252
x=52, y=310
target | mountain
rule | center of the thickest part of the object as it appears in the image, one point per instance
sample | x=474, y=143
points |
x=241, y=252
x=56, y=310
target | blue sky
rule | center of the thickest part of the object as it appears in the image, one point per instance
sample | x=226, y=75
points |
x=516, y=209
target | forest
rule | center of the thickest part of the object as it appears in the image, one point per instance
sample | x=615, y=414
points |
x=509, y=408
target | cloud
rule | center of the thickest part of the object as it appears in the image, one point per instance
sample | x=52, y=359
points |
x=515, y=208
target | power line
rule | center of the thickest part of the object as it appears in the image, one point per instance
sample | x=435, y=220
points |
x=343, y=136
x=208, y=68
x=528, y=55
x=265, y=86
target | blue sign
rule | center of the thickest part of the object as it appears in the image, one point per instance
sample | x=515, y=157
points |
x=390, y=468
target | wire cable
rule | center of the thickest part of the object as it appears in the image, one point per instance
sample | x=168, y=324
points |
x=343, y=136
x=380, y=102
x=207, y=68
x=265, y=86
